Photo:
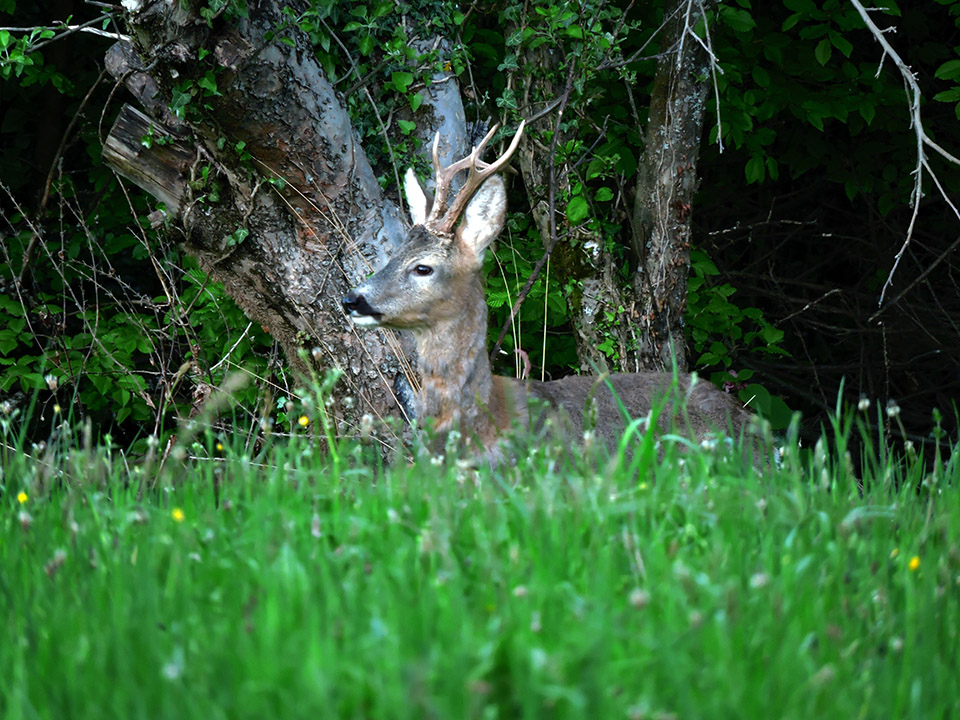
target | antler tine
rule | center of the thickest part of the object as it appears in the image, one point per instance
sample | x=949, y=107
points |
x=437, y=170
x=444, y=176
x=488, y=170
x=478, y=172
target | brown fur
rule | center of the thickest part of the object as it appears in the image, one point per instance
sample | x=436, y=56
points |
x=447, y=313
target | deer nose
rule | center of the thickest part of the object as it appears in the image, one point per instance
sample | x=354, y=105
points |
x=351, y=301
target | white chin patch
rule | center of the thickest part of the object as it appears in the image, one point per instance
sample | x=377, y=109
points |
x=365, y=321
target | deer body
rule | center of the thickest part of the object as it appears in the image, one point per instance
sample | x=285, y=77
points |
x=433, y=287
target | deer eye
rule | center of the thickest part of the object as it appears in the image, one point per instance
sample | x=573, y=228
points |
x=423, y=270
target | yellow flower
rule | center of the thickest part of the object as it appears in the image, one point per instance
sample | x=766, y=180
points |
x=219, y=447
x=177, y=514
x=22, y=497
x=914, y=563
x=304, y=421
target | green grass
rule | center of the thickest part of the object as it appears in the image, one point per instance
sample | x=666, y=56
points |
x=694, y=589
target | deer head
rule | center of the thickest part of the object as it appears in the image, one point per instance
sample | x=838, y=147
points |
x=435, y=274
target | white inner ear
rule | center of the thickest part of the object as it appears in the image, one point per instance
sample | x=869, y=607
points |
x=484, y=216
x=416, y=197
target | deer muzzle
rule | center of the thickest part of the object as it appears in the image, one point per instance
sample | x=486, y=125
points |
x=355, y=305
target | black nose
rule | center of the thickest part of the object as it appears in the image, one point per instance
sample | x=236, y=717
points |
x=353, y=301
x=356, y=305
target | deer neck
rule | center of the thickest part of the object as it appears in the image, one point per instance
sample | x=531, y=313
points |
x=456, y=380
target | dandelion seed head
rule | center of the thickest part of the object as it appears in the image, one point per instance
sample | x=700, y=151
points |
x=759, y=580
x=538, y=658
x=366, y=425
x=639, y=598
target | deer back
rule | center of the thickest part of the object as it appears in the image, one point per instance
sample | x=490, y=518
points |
x=606, y=404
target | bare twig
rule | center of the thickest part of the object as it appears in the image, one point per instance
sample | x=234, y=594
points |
x=69, y=30
x=912, y=89
x=552, y=212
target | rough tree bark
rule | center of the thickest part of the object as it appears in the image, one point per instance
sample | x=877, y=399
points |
x=667, y=180
x=308, y=240
x=580, y=257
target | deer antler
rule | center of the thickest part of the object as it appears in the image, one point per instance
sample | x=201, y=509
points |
x=442, y=219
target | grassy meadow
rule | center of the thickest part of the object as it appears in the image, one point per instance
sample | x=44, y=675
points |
x=297, y=584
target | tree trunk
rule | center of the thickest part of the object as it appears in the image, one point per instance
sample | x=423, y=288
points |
x=270, y=153
x=666, y=183
x=595, y=294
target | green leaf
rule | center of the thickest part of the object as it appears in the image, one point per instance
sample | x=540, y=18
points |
x=577, y=210
x=366, y=44
x=773, y=167
x=867, y=110
x=406, y=126
x=841, y=43
x=755, y=169
x=604, y=194
x=209, y=83
x=738, y=20
x=823, y=51
x=351, y=26
x=402, y=80
x=950, y=70
x=416, y=100
x=791, y=21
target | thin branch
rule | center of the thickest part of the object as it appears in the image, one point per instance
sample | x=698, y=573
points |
x=707, y=45
x=552, y=211
x=912, y=90
x=69, y=30
x=916, y=281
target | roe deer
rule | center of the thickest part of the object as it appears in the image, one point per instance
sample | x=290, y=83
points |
x=433, y=287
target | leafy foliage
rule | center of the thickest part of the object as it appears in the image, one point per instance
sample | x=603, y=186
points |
x=110, y=311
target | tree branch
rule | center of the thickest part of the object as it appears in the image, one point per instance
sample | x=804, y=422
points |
x=912, y=89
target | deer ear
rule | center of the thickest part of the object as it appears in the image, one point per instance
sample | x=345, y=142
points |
x=483, y=219
x=417, y=201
